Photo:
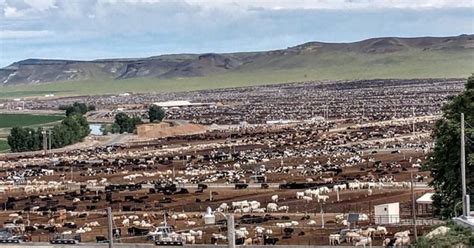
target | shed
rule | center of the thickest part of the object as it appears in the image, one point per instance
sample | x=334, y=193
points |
x=425, y=204
x=425, y=199
x=388, y=213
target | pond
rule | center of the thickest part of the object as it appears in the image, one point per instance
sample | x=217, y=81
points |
x=95, y=128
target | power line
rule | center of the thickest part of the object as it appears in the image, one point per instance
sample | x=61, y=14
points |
x=466, y=123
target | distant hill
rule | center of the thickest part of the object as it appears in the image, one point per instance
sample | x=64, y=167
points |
x=446, y=56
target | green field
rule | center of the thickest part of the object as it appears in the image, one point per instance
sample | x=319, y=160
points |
x=282, y=69
x=22, y=120
x=3, y=145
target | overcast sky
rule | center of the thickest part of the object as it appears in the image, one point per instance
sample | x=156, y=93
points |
x=89, y=29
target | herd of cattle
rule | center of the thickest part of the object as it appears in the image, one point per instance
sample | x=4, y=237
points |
x=287, y=183
x=368, y=99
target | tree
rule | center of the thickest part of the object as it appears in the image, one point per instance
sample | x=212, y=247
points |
x=105, y=129
x=77, y=108
x=25, y=139
x=445, y=158
x=123, y=121
x=17, y=139
x=91, y=107
x=115, y=128
x=126, y=123
x=156, y=113
x=110, y=128
x=71, y=130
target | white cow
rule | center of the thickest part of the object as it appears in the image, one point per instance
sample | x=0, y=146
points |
x=364, y=241
x=323, y=198
x=299, y=195
x=334, y=239
x=402, y=234
x=272, y=207
x=402, y=241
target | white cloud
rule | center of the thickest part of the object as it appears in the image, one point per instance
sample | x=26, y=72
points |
x=41, y=5
x=23, y=34
x=15, y=9
x=11, y=12
x=121, y=28
x=330, y=4
x=313, y=4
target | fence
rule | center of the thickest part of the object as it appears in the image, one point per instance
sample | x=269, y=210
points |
x=405, y=220
x=386, y=219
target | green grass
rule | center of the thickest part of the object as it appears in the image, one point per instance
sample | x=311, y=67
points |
x=279, y=69
x=457, y=236
x=4, y=145
x=25, y=93
x=12, y=120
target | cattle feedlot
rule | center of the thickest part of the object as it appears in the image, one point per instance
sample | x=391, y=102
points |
x=304, y=163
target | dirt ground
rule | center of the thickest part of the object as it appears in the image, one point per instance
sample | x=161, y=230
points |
x=194, y=204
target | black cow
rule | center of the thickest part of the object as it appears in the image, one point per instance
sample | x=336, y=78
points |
x=241, y=186
x=101, y=239
x=135, y=231
x=267, y=240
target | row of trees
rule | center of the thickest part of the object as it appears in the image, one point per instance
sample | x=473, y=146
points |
x=77, y=108
x=126, y=124
x=72, y=129
x=123, y=124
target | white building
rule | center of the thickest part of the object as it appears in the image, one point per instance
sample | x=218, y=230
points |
x=388, y=213
x=177, y=104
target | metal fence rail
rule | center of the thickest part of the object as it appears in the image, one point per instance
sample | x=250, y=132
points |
x=93, y=245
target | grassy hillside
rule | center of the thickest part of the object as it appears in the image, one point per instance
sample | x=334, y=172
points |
x=319, y=65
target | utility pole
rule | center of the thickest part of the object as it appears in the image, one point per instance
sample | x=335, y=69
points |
x=49, y=139
x=465, y=196
x=49, y=143
x=230, y=230
x=45, y=141
x=174, y=173
x=110, y=229
x=413, y=206
x=322, y=218
x=232, y=147
x=363, y=111
x=327, y=112
x=232, y=143
x=413, y=109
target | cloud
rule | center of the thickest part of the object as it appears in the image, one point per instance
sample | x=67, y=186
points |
x=312, y=4
x=23, y=34
x=85, y=29
x=11, y=12
x=25, y=8
x=41, y=5
x=18, y=8
x=330, y=4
